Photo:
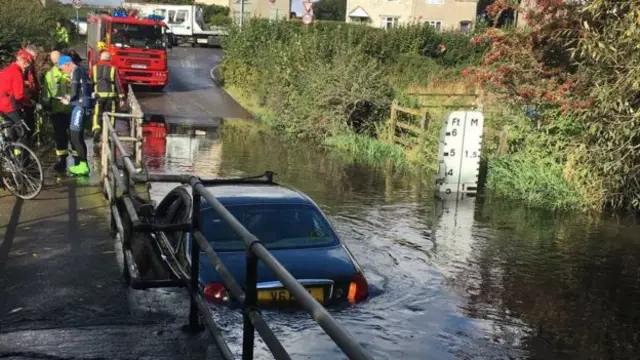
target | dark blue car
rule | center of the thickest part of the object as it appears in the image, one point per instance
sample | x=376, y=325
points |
x=289, y=224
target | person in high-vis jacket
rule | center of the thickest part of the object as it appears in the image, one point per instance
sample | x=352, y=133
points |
x=56, y=86
x=107, y=89
x=80, y=97
x=62, y=36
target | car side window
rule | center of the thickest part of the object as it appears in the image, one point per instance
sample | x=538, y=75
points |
x=318, y=229
x=171, y=17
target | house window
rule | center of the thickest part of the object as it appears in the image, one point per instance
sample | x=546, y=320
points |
x=236, y=16
x=465, y=26
x=275, y=14
x=437, y=24
x=435, y=2
x=389, y=22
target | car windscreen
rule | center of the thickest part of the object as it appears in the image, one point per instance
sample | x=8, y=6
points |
x=278, y=226
x=136, y=35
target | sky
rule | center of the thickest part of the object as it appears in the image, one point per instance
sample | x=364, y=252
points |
x=296, y=5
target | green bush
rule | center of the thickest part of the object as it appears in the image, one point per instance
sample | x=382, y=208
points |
x=216, y=15
x=537, y=168
x=334, y=79
x=17, y=28
x=533, y=177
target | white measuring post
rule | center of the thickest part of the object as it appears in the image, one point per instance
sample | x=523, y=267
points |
x=459, y=153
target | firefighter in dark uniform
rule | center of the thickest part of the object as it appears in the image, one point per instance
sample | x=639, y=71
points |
x=107, y=89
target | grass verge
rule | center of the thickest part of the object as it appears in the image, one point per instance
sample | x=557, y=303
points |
x=360, y=148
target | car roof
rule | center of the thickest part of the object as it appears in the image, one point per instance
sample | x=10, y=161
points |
x=247, y=194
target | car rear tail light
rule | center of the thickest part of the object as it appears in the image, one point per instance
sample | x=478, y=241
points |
x=358, y=289
x=215, y=293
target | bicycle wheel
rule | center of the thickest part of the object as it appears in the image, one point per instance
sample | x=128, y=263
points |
x=22, y=171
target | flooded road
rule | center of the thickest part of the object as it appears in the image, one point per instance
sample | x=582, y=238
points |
x=471, y=279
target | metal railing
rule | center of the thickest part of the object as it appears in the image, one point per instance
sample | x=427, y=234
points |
x=127, y=219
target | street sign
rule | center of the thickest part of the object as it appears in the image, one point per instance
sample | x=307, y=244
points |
x=307, y=19
x=77, y=4
x=308, y=7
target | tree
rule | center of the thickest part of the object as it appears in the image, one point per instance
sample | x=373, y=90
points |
x=482, y=6
x=607, y=52
x=577, y=63
x=215, y=15
x=16, y=29
x=330, y=10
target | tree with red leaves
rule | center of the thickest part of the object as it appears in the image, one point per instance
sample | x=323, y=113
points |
x=528, y=66
x=576, y=62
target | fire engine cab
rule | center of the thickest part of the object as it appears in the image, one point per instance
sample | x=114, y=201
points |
x=138, y=46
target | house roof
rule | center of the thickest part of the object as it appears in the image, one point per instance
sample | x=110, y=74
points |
x=358, y=13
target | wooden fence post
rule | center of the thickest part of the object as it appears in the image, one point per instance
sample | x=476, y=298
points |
x=392, y=122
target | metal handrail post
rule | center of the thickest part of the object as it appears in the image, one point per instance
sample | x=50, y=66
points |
x=103, y=154
x=112, y=161
x=139, y=141
x=194, y=284
x=250, y=304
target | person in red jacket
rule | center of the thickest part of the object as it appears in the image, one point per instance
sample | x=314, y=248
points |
x=12, y=89
x=33, y=87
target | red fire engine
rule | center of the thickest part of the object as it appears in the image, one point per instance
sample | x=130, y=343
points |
x=138, y=47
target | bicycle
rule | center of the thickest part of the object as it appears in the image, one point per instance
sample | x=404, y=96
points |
x=20, y=169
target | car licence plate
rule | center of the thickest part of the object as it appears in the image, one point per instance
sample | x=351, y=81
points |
x=139, y=66
x=278, y=295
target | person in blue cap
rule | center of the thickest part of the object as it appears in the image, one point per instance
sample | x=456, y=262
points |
x=81, y=99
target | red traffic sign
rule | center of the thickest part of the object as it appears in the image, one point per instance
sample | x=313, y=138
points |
x=307, y=19
x=308, y=7
x=77, y=4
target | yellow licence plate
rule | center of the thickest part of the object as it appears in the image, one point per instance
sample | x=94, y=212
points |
x=277, y=295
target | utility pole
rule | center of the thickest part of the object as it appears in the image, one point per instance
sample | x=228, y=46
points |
x=241, y=13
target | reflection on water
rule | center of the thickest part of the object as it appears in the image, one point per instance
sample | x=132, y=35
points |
x=454, y=278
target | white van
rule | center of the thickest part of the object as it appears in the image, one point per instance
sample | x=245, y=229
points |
x=185, y=22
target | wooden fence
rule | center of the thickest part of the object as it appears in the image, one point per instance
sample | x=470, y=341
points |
x=411, y=133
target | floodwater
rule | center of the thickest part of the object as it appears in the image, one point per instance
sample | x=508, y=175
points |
x=470, y=279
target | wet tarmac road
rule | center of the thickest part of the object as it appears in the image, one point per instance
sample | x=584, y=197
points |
x=191, y=97
x=61, y=290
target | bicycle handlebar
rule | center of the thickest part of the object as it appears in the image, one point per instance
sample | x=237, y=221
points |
x=8, y=124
